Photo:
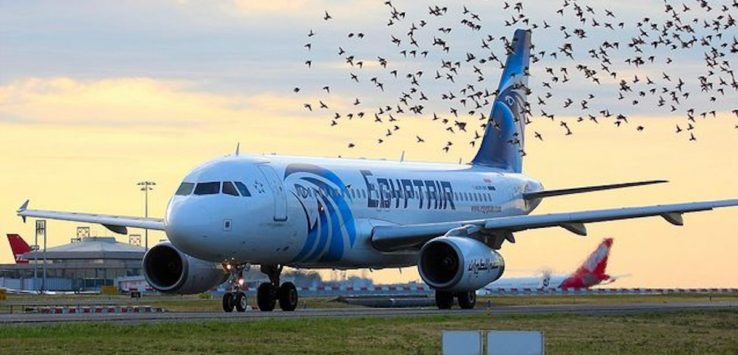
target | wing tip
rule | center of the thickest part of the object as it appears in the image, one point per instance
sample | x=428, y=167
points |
x=22, y=209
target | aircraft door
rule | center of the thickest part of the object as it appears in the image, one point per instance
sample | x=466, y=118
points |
x=280, y=197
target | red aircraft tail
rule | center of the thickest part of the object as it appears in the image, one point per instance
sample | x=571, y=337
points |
x=592, y=271
x=19, y=247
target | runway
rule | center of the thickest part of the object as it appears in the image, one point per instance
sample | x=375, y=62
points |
x=586, y=309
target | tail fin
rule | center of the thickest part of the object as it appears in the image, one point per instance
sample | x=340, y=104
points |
x=19, y=247
x=596, y=263
x=503, y=141
x=593, y=270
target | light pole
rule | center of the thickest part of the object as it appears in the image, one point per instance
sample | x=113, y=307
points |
x=146, y=186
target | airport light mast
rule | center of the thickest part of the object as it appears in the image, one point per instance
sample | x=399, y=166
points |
x=146, y=186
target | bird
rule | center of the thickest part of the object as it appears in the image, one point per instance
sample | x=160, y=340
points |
x=327, y=16
x=420, y=140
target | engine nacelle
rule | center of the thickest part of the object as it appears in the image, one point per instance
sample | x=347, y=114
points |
x=459, y=264
x=170, y=271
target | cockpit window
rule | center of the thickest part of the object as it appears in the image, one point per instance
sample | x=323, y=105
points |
x=207, y=188
x=242, y=187
x=185, y=189
x=229, y=189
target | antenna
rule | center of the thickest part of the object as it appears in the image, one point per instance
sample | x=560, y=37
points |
x=402, y=157
x=238, y=148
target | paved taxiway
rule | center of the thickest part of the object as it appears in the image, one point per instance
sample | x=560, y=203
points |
x=589, y=309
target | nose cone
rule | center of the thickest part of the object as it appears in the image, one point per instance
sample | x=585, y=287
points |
x=190, y=228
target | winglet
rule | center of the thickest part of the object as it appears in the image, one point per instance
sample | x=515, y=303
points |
x=22, y=209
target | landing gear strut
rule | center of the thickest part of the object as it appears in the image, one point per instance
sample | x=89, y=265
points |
x=270, y=292
x=235, y=297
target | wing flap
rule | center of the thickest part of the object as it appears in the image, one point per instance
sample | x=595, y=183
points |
x=116, y=224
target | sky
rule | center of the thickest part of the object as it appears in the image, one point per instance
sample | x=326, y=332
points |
x=96, y=96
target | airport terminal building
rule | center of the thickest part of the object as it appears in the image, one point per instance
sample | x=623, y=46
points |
x=85, y=264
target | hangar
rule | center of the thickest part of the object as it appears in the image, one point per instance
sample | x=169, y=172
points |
x=85, y=264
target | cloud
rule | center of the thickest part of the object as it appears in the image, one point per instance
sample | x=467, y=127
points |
x=250, y=7
x=121, y=101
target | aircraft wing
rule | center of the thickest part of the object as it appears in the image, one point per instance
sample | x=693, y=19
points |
x=393, y=238
x=117, y=224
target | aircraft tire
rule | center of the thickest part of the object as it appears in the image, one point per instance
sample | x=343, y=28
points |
x=266, y=297
x=228, y=302
x=444, y=300
x=287, y=296
x=467, y=300
x=241, y=302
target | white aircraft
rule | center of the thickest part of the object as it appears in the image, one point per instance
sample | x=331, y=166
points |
x=592, y=272
x=449, y=220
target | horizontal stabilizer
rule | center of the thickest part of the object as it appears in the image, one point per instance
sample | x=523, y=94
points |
x=579, y=190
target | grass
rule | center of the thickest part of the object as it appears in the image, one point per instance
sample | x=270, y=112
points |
x=714, y=332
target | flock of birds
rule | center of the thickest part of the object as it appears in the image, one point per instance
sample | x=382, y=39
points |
x=641, y=74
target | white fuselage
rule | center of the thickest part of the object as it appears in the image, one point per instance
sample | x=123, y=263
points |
x=319, y=212
x=537, y=282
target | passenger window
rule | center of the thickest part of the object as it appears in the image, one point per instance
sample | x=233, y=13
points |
x=229, y=189
x=185, y=189
x=242, y=188
x=207, y=188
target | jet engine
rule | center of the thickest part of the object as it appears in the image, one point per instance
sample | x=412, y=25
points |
x=170, y=271
x=459, y=264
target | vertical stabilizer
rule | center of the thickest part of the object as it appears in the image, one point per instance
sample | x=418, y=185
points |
x=593, y=270
x=503, y=141
x=19, y=247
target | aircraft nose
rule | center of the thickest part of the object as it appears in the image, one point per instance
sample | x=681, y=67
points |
x=188, y=226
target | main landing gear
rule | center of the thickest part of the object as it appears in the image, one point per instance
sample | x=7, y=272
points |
x=267, y=295
x=235, y=297
x=270, y=292
x=445, y=299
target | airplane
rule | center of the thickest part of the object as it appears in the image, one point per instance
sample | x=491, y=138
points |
x=19, y=247
x=449, y=220
x=590, y=273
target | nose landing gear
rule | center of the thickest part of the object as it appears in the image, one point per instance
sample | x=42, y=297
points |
x=235, y=297
x=270, y=292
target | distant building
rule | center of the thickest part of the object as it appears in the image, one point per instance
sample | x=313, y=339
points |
x=86, y=264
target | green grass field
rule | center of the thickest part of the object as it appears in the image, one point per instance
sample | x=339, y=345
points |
x=698, y=332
